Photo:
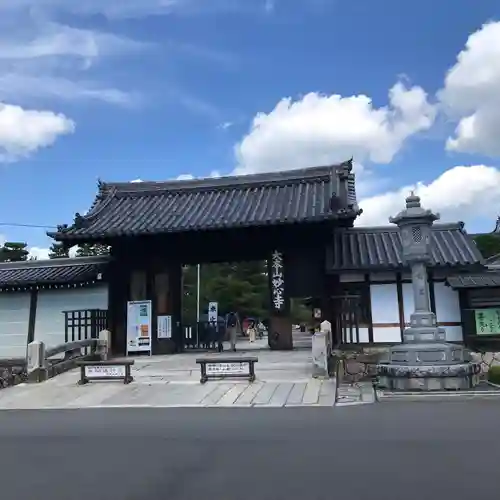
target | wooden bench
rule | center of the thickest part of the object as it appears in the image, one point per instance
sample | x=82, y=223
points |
x=111, y=369
x=222, y=367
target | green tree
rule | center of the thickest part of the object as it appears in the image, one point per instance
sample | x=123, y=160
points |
x=13, y=252
x=58, y=250
x=89, y=249
x=240, y=287
x=488, y=244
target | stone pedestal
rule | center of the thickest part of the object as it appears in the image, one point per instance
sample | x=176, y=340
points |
x=434, y=366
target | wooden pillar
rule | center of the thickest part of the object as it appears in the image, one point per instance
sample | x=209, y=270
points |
x=165, y=292
x=280, y=324
x=32, y=315
x=118, y=277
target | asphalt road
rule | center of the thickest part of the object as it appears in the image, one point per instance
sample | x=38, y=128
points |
x=387, y=451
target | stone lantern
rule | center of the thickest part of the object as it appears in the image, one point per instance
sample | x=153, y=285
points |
x=424, y=361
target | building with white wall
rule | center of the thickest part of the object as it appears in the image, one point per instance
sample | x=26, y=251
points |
x=35, y=295
x=374, y=280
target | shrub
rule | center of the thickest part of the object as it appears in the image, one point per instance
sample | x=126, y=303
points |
x=494, y=374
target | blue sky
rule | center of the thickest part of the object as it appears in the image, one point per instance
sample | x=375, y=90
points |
x=156, y=89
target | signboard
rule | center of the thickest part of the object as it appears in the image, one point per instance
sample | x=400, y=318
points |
x=213, y=312
x=487, y=321
x=277, y=281
x=164, y=327
x=227, y=368
x=139, y=326
x=110, y=371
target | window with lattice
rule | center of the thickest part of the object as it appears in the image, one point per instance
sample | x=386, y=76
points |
x=417, y=234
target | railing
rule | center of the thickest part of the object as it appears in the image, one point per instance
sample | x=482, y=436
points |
x=73, y=351
x=203, y=335
x=84, y=324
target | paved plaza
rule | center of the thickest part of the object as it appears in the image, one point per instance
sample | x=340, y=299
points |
x=284, y=379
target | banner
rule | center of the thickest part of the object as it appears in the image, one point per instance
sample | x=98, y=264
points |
x=213, y=312
x=139, y=326
x=487, y=321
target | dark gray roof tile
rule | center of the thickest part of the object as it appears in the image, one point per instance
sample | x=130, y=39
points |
x=51, y=272
x=381, y=248
x=298, y=196
x=487, y=279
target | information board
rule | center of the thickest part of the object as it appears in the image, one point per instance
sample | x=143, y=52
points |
x=227, y=368
x=139, y=326
x=164, y=327
x=110, y=371
x=487, y=321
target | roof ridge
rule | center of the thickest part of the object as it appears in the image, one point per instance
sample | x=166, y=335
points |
x=237, y=186
x=393, y=228
x=225, y=182
x=59, y=262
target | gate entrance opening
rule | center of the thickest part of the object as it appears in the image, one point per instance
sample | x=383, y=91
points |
x=286, y=219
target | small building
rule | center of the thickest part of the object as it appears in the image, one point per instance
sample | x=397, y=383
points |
x=376, y=300
x=51, y=301
x=479, y=295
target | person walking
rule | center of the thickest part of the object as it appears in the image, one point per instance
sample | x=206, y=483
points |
x=251, y=330
x=232, y=323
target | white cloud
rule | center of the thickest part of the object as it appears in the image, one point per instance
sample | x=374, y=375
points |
x=471, y=93
x=22, y=131
x=48, y=59
x=320, y=129
x=18, y=86
x=459, y=194
x=52, y=40
x=185, y=177
x=41, y=253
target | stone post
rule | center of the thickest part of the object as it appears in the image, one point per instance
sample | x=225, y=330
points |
x=320, y=354
x=35, y=361
x=104, y=344
x=424, y=361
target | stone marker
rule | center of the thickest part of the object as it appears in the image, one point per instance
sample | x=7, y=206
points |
x=320, y=354
x=35, y=357
x=424, y=361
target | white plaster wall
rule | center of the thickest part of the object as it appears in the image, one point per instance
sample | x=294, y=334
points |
x=49, y=323
x=14, y=319
x=448, y=310
x=384, y=303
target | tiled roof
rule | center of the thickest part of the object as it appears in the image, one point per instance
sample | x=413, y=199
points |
x=381, y=248
x=494, y=260
x=487, y=279
x=298, y=196
x=52, y=272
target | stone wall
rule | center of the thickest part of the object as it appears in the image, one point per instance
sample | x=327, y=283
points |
x=12, y=372
x=487, y=359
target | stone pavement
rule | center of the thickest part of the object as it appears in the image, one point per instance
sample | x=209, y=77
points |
x=283, y=379
x=355, y=394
